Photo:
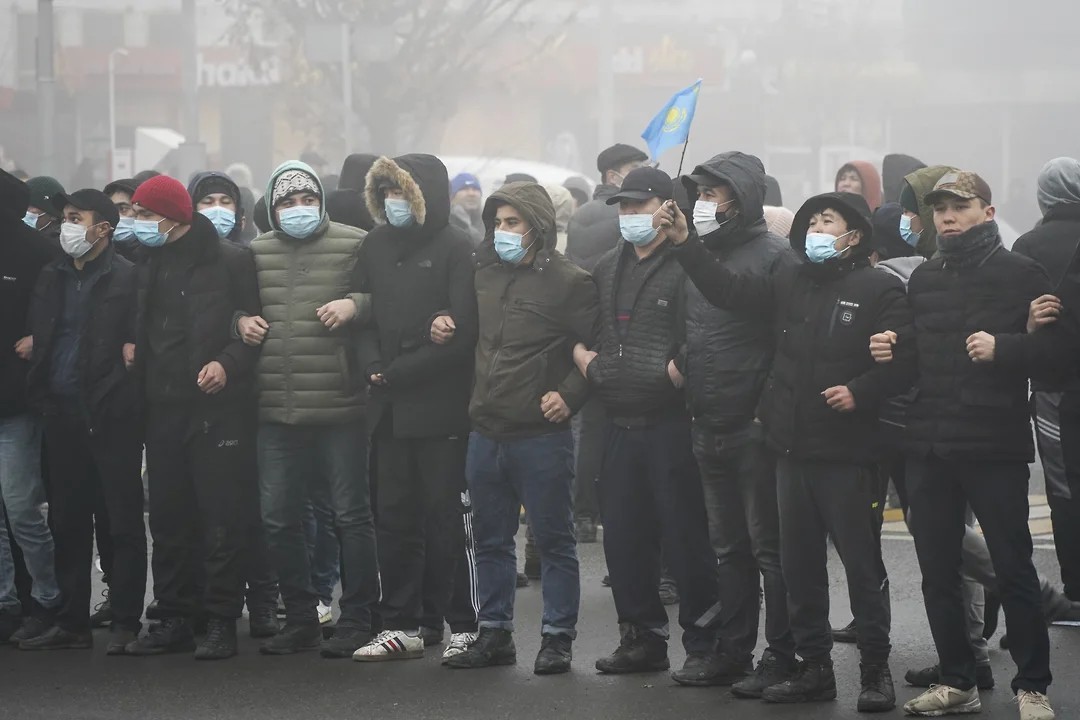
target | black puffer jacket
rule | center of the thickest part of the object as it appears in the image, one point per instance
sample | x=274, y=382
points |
x=1054, y=242
x=824, y=316
x=412, y=274
x=593, y=229
x=107, y=391
x=630, y=374
x=729, y=352
x=967, y=410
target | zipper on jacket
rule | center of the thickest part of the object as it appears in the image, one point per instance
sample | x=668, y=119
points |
x=499, y=336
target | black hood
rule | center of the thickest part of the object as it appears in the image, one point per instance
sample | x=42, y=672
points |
x=746, y=176
x=354, y=171
x=887, y=240
x=855, y=211
x=423, y=179
x=347, y=207
x=197, y=189
x=260, y=215
x=773, y=196
x=893, y=170
x=14, y=197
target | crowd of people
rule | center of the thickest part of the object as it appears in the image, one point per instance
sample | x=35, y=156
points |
x=368, y=384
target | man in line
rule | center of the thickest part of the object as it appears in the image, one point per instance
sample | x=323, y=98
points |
x=42, y=215
x=311, y=407
x=198, y=384
x=534, y=306
x=467, y=205
x=120, y=193
x=650, y=489
x=416, y=264
x=22, y=492
x=82, y=319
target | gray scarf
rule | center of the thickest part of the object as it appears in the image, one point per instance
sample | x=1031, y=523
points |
x=970, y=248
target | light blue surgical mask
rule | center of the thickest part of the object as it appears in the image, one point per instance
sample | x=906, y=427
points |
x=124, y=234
x=822, y=246
x=399, y=213
x=510, y=246
x=637, y=229
x=223, y=218
x=31, y=219
x=910, y=236
x=149, y=234
x=300, y=221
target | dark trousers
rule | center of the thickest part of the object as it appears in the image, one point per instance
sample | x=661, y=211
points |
x=650, y=496
x=83, y=469
x=939, y=492
x=419, y=532
x=738, y=476
x=1057, y=430
x=102, y=533
x=589, y=426
x=464, y=601
x=202, y=506
x=293, y=459
x=817, y=500
x=262, y=584
x=1065, y=515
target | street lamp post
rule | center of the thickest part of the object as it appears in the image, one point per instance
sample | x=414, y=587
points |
x=112, y=109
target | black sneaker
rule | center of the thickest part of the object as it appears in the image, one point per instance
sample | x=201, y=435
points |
x=522, y=580
x=10, y=620
x=556, y=652
x=606, y=582
x=772, y=669
x=705, y=669
x=814, y=682
x=492, y=647
x=119, y=639
x=878, y=693
x=845, y=634
x=585, y=530
x=431, y=636
x=669, y=591
x=532, y=565
x=103, y=614
x=263, y=622
x=639, y=651
x=57, y=638
x=345, y=641
x=153, y=611
x=984, y=677
x=220, y=641
x=171, y=635
x=293, y=639
x=991, y=614
x=32, y=626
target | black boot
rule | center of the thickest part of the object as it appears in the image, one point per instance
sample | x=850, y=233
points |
x=814, y=682
x=57, y=638
x=556, y=652
x=345, y=641
x=706, y=669
x=772, y=669
x=10, y=620
x=32, y=626
x=153, y=611
x=845, y=634
x=102, y=614
x=263, y=621
x=984, y=677
x=991, y=614
x=492, y=647
x=292, y=639
x=878, y=693
x=220, y=640
x=119, y=639
x=640, y=650
x=171, y=635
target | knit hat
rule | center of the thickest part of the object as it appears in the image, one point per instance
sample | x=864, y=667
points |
x=42, y=189
x=211, y=184
x=462, y=181
x=778, y=219
x=291, y=182
x=165, y=196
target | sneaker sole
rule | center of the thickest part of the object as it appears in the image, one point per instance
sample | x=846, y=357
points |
x=824, y=697
x=389, y=657
x=496, y=662
x=656, y=667
x=289, y=651
x=214, y=657
x=966, y=709
x=711, y=682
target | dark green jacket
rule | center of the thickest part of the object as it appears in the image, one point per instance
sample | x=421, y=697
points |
x=531, y=316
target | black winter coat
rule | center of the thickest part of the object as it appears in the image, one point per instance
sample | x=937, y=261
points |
x=630, y=375
x=593, y=229
x=107, y=391
x=412, y=275
x=965, y=410
x=221, y=286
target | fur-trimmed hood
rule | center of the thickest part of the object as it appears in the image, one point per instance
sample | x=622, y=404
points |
x=423, y=179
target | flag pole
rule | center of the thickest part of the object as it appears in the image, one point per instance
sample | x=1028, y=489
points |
x=683, y=156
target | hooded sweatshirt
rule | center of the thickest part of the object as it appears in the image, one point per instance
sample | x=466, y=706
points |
x=887, y=239
x=531, y=316
x=308, y=375
x=871, y=181
x=922, y=182
x=564, y=210
x=197, y=190
x=893, y=170
x=413, y=274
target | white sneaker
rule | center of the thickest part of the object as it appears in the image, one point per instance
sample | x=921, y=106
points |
x=459, y=643
x=391, y=645
x=1034, y=706
x=326, y=615
x=942, y=700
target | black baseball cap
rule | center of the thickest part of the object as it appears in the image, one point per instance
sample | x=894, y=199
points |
x=124, y=185
x=643, y=183
x=89, y=199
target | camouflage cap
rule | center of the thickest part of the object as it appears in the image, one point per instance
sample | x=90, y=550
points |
x=963, y=184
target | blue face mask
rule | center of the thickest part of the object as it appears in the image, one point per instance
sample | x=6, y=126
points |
x=399, y=213
x=223, y=218
x=31, y=219
x=510, y=246
x=910, y=236
x=300, y=221
x=148, y=233
x=822, y=246
x=124, y=234
x=637, y=229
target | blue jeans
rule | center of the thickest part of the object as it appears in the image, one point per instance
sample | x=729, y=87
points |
x=22, y=497
x=538, y=473
x=292, y=461
x=322, y=544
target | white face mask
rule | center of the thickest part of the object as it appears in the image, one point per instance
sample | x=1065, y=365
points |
x=73, y=240
x=705, y=217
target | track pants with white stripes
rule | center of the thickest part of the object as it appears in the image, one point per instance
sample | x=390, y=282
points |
x=459, y=608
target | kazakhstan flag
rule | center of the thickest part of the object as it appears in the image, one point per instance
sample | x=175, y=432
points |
x=671, y=126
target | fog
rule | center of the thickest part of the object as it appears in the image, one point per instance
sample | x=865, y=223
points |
x=986, y=85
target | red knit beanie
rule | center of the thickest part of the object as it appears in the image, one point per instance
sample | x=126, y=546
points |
x=165, y=196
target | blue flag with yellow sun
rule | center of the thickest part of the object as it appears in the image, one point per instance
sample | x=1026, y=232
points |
x=671, y=126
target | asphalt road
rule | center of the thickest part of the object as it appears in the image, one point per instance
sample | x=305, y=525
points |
x=89, y=685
